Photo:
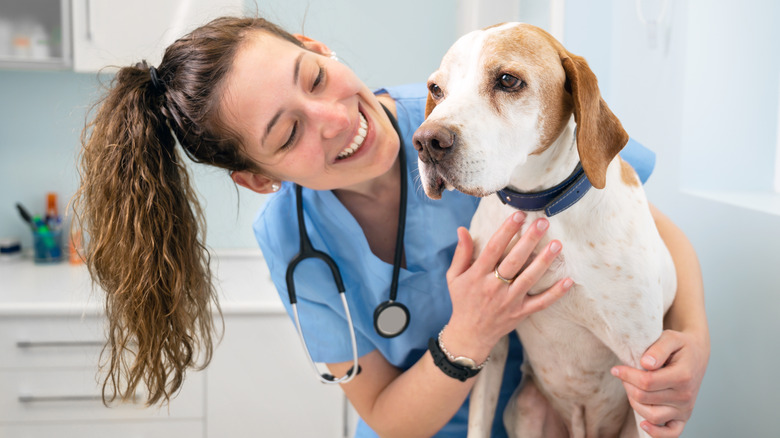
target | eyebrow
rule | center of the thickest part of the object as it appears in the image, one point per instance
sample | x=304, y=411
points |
x=275, y=118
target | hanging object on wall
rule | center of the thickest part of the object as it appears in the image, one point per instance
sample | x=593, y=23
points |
x=654, y=26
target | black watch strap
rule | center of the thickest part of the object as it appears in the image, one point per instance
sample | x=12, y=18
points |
x=453, y=370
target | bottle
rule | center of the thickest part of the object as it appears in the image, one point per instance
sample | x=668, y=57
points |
x=52, y=215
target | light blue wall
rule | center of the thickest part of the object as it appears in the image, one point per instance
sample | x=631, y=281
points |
x=42, y=113
x=41, y=117
x=706, y=103
x=731, y=88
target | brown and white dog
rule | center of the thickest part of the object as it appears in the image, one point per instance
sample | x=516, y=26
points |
x=511, y=107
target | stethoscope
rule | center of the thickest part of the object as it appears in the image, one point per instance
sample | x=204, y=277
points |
x=390, y=317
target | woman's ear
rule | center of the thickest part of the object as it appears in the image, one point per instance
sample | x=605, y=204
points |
x=255, y=181
x=313, y=45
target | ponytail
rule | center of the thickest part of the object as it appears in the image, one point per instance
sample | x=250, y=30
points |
x=141, y=220
x=144, y=248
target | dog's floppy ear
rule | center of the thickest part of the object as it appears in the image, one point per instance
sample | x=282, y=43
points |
x=600, y=135
x=429, y=105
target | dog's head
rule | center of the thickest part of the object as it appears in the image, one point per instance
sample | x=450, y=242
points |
x=502, y=94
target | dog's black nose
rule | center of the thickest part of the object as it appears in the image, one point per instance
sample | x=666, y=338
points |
x=433, y=143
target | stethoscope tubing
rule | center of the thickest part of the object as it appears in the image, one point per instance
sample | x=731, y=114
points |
x=354, y=370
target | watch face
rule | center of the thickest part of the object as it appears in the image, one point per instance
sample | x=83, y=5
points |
x=466, y=362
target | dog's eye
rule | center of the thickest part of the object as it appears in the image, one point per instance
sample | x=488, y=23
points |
x=510, y=82
x=435, y=91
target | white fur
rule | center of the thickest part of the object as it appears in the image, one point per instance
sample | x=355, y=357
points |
x=623, y=273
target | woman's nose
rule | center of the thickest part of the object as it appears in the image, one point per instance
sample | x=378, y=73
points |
x=334, y=117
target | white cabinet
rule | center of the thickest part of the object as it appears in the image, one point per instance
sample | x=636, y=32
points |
x=49, y=385
x=90, y=35
x=35, y=34
x=122, y=32
x=260, y=384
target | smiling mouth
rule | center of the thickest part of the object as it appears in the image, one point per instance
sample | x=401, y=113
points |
x=357, y=141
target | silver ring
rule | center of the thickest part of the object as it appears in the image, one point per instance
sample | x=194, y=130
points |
x=500, y=277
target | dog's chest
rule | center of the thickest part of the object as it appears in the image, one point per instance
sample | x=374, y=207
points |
x=612, y=253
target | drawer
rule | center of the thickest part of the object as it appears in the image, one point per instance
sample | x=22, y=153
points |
x=74, y=395
x=41, y=342
x=136, y=429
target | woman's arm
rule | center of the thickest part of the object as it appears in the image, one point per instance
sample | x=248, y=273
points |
x=675, y=364
x=421, y=400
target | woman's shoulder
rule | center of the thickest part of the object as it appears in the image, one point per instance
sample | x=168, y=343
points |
x=413, y=91
x=275, y=221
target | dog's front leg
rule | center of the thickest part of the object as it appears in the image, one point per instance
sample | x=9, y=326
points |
x=484, y=395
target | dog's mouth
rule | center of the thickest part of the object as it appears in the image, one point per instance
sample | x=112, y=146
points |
x=439, y=179
x=434, y=185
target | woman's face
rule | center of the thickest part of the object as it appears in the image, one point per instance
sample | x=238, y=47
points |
x=306, y=118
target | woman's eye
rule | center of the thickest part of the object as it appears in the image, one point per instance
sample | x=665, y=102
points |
x=436, y=91
x=509, y=82
x=318, y=79
x=291, y=139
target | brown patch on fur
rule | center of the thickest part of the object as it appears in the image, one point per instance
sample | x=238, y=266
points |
x=430, y=104
x=600, y=135
x=628, y=174
x=565, y=84
x=494, y=25
x=526, y=53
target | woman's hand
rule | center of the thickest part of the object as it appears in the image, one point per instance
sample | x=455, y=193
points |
x=665, y=394
x=484, y=307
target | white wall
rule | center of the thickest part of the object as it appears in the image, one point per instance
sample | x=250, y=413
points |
x=705, y=102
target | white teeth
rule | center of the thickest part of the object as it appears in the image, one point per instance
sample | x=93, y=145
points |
x=358, y=140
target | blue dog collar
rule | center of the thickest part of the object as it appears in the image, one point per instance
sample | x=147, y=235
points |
x=553, y=200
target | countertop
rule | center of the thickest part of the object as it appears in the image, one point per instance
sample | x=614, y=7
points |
x=26, y=288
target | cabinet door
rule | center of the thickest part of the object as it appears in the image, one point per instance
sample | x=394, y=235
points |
x=113, y=429
x=259, y=383
x=121, y=32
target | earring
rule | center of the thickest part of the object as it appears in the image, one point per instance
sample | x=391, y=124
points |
x=333, y=56
x=275, y=187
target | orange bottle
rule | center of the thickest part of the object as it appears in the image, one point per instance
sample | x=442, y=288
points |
x=52, y=214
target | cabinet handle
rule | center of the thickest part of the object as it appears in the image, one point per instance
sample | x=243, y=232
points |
x=36, y=344
x=66, y=398
x=89, y=22
x=58, y=398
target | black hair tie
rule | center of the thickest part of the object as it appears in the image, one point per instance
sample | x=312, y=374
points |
x=158, y=85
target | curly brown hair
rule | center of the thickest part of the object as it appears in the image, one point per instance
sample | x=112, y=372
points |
x=144, y=228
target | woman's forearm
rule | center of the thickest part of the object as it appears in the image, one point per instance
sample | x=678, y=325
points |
x=417, y=402
x=687, y=312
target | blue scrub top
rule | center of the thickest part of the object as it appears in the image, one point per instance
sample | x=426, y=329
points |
x=429, y=244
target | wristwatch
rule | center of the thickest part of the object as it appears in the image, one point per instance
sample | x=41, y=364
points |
x=460, y=367
x=454, y=370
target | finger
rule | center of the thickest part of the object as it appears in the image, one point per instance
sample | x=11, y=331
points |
x=519, y=254
x=654, y=414
x=543, y=300
x=658, y=380
x=672, y=429
x=667, y=397
x=660, y=352
x=534, y=272
x=496, y=246
x=461, y=260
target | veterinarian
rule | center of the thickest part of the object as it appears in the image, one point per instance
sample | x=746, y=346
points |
x=276, y=110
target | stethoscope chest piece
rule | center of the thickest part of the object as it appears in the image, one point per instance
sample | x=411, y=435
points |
x=391, y=319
